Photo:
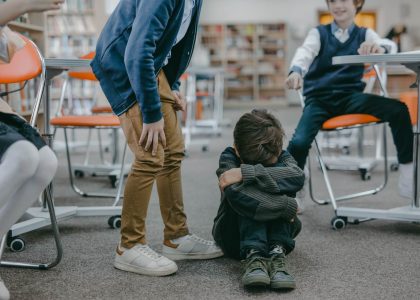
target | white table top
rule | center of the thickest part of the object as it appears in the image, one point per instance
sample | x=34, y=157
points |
x=411, y=60
x=67, y=63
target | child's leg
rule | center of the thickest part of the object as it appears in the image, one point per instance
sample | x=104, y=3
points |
x=281, y=236
x=253, y=235
x=24, y=197
x=396, y=114
x=282, y=233
x=253, y=249
x=313, y=116
x=392, y=111
x=17, y=165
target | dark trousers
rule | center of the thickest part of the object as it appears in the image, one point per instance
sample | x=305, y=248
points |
x=262, y=236
x=323, y=107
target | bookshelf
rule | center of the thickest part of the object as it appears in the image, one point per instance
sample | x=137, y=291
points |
x=254, y=56
x=71, y=33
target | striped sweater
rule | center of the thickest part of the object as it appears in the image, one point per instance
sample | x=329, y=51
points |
x=265, y=193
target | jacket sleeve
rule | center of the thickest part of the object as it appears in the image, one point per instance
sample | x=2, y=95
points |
x=283, y=178
x=151, y=20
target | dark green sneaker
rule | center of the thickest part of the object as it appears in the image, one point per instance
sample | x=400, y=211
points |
x=255, y=270
x=279, y=276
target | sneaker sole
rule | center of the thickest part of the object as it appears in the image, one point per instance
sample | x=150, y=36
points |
x=256, y=281
x=283, y=285
x=182, y=256
x=144, y=271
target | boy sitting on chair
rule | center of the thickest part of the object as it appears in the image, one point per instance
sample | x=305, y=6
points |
x=332, y=90
x=257, y=219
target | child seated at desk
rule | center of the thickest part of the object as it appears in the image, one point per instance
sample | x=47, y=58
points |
x=332, y=90
x=27, y=164
x=257, y=221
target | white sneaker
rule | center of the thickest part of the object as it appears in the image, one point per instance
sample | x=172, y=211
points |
x=4, y=292
x=190, y=247
x=141, y=259
x=405, y=183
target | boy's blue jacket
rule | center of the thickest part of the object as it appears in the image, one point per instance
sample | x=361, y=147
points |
x=132, y=48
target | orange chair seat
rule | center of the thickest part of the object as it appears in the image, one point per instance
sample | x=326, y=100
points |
x=86, y=121
x=101, y=109
x=410, y=99
x=348, y=120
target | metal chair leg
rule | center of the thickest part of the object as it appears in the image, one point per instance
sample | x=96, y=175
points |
x=334, y=199
x=56, y=232
x=73, y=185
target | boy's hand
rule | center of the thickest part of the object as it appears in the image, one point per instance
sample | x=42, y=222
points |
x=294, y=81
x=43, y=5
x=180, y=103
x=230, y=177
x=367, y=48
x=150, y=136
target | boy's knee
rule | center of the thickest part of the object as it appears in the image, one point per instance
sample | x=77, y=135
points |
x=298, y=145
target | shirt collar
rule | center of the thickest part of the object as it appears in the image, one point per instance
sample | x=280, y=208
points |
x=335, y=28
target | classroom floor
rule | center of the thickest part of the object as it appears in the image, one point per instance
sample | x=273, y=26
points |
x=372, y=260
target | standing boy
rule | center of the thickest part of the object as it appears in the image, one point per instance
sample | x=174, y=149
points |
x=144, y=48
x=256, y=221
x=331, y=90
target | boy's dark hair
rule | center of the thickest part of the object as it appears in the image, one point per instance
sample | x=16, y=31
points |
x=358, y=3
x=258, y=137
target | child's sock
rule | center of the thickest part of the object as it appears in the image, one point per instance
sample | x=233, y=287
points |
x=276, y=250
x=405, y=183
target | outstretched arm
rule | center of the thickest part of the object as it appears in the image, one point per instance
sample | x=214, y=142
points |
x=12, y=9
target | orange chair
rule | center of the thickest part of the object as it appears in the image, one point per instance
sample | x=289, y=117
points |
x=25, y=65
x=348, y=121
x=410, y=99
x=97, y=121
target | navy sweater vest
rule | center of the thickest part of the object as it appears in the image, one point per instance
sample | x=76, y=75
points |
x=323, y=76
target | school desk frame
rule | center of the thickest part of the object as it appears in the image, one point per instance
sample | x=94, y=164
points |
x=409, y=213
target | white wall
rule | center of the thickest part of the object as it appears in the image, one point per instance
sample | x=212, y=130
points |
x=302, y=14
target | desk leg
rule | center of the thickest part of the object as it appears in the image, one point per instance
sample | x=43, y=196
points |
x=416, y=151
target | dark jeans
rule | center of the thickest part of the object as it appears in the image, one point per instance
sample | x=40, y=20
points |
x=321, y=108
x=263, y=235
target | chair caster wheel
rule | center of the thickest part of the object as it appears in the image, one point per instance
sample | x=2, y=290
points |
x=114, y=222
x=345, y=150
x=365, y=175
x=205, y=148
x=16, y=244
x=113, y=180
x=79, y=173
x=338, y=223
x=394, y=167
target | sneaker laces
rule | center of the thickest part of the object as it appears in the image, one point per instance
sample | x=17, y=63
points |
x=255, y=262
x=201, y=240
x=147, y=251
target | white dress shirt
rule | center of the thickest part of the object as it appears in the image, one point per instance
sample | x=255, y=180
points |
x=306, y=53
x=186, y=21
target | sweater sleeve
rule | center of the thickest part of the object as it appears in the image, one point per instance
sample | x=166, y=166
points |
x=283, y=178
x=260, y=206
x=228, y=160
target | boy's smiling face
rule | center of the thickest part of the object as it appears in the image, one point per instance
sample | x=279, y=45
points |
x=343, y=11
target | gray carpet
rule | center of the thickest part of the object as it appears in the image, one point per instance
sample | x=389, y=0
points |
x=377, y=259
